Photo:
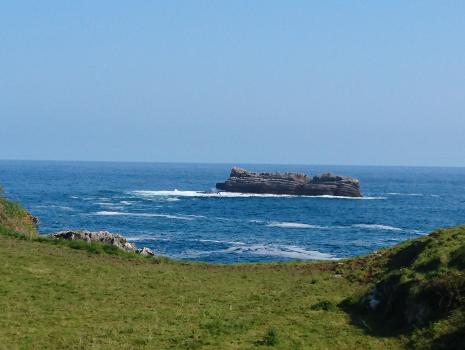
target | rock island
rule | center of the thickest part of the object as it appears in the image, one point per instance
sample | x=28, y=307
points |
x=241, y=180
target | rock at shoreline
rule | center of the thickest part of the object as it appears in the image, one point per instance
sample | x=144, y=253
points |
x=106, y=237
x=145, y=251
x=100, y=236
x=241, y=180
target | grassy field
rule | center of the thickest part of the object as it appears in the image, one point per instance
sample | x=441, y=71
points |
x=57, y=297
x=60, y=296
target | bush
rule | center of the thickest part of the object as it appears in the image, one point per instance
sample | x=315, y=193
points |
x=325, y=305
x=270, y=338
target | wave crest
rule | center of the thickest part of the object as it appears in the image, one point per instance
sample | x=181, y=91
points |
x=292, y=225
x=378, y=227
x=167, y=216
x=178, y=193
x=288, y=251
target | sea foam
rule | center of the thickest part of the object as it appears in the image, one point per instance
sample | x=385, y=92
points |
x=178, y=193
x=292, y=225
x=285, y=251
x=167, y=216
x=406, y=194
x=377, y=227
x=412, y=194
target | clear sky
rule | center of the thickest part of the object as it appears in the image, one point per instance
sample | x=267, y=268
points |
x=307, y=82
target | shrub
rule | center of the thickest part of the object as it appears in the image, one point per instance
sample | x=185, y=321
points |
x=325, y=305
x=270, y=338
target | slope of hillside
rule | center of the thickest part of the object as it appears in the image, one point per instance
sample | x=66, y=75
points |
x=13, y=218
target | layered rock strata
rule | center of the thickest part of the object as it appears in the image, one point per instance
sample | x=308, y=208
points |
x=241, y=180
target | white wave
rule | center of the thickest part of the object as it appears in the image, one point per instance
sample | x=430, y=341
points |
x=377, y=227
x=406, y=194
x=146, y=238
x=137, y=238
x=65, y=208
x=141, y=238
x=292, y=252
x=172, y=199
x=110, y=213
x=195, y=216
x=111, y=206
x=225, y=219
x=126, y=202
x=108, y=204
x=344, y=197
x=178, y=193
x=74, y=197
x=292, y=225
x=167, y=216
x=412, y=194
x=62, y=207
x=217, y=241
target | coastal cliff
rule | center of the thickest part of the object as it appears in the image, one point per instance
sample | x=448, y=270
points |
x=241, y=180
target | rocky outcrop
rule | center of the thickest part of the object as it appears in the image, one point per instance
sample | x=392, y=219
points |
x=100, y=236
x=145, y=251
x=241, y=180
x=106, y=237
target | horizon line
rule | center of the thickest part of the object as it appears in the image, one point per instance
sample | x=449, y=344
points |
x=229, y=163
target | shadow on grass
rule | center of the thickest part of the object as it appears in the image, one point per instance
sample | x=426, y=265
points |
x=372, y=324
x=404, y=308
x=454, y=340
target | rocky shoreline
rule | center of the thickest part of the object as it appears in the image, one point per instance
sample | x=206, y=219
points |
x=241, y=180
x=114, y=239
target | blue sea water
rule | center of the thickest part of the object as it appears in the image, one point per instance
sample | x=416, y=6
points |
x=163, y=206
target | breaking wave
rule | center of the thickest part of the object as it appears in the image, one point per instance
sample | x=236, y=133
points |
x=178, y=193
x=217, y=241
x=172, y=199
x=412, y=194
x=406, y=194
x=288, y=251
x=292, y=225
x=167, y=216
x=378, y=227
x=61, y=207
x=147, y=238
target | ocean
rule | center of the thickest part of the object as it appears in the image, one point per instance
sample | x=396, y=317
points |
x=164, y=206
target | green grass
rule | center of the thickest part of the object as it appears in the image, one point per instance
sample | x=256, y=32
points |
x=72, y=295
x=56, y=297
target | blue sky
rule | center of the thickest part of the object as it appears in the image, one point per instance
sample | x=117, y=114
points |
x=319, y=82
